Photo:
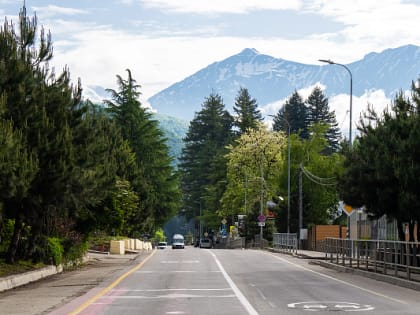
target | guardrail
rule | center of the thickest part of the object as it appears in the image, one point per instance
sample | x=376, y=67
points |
x=285, y=242
x=399, y=259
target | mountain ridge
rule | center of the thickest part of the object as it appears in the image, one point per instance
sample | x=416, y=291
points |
x=270, y=79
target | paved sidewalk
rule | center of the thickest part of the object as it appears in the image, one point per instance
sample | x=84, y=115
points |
x=48, y=294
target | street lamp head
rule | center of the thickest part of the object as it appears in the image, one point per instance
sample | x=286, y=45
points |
x=327, y=61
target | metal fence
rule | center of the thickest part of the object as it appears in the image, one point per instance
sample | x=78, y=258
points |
x=285, y=242
x=399, y=259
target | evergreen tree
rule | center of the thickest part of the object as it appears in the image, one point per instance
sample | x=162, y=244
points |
x=382, y=170
x=246, y=110
x=65, y=172
x=203, y=162
x=295, y=113
x=155, y=181
x=319, y=112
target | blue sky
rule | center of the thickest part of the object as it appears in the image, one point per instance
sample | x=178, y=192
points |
x=164, y=41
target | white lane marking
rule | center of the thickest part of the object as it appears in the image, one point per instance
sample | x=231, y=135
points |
x=338, y=280
x=163, y=290
x=261, y=294
x=176, y=271
x=180, y=261
x=176, y=312
x=173, y=296
x=235, y=289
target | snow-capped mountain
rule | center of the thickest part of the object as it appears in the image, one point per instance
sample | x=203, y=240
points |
x=270, y=79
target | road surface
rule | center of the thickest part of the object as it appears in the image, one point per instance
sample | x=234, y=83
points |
x=216, y=281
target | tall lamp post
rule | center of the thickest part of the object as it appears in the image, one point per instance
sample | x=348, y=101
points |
x=288, y=169
x=351, y=92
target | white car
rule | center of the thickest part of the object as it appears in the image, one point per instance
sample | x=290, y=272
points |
x=162, y=245
x=178, y=241
x=205, y=243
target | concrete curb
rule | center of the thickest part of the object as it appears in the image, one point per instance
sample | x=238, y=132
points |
x=17, y=280
x=376, y=276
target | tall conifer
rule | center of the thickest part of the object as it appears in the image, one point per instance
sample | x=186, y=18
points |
x=246, y=109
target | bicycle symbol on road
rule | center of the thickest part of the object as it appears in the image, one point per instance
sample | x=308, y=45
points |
x=316, y=306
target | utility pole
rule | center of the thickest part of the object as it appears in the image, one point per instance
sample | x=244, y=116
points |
x=300, y=206
x=262, y=201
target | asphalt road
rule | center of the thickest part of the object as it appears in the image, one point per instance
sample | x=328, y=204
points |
x=211, y=281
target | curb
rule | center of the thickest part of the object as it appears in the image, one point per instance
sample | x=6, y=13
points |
x=17, y=280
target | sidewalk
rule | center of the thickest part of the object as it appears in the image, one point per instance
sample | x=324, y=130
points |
x=47, y=294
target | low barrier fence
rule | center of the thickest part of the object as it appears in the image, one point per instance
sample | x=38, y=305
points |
x=236, y=243
x=285, y=242
x=400, y=259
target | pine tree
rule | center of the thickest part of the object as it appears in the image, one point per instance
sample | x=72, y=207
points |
x=203, y=161
x=382, y=170
x=47, y=117
x=155, y=181
x=246, y=110
x=295, y=113
x=319, y=112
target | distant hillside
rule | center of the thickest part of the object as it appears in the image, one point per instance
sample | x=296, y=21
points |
x=175, y=130
x=269, y=79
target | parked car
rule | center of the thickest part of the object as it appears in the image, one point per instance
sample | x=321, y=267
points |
x=178, y=241
x=205, y=243
x=162, y=245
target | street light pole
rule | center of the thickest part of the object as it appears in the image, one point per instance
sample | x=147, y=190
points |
x=351, y=92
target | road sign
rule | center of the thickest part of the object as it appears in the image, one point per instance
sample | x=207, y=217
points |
x=261, y=218
x=261, y=223
x=346, y=208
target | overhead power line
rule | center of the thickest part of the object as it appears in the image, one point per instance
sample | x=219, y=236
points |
x=330, y=181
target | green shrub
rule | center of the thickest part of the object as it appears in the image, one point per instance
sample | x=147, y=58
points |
x=6, y=235
x=55, y=250
x=75, y=252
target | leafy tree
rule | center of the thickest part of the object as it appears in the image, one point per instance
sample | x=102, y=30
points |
x=253, y=171
x=319, y=112
x=295, y=113
x=246, y=110
x=319, y=177
x=203, y=164
x=155, y=181
x=382, y=171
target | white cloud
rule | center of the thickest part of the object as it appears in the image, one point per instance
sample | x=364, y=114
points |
x=341, y=105
x=371, y=20
x=53, y=10
x=96, y=53
x=222, y=6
